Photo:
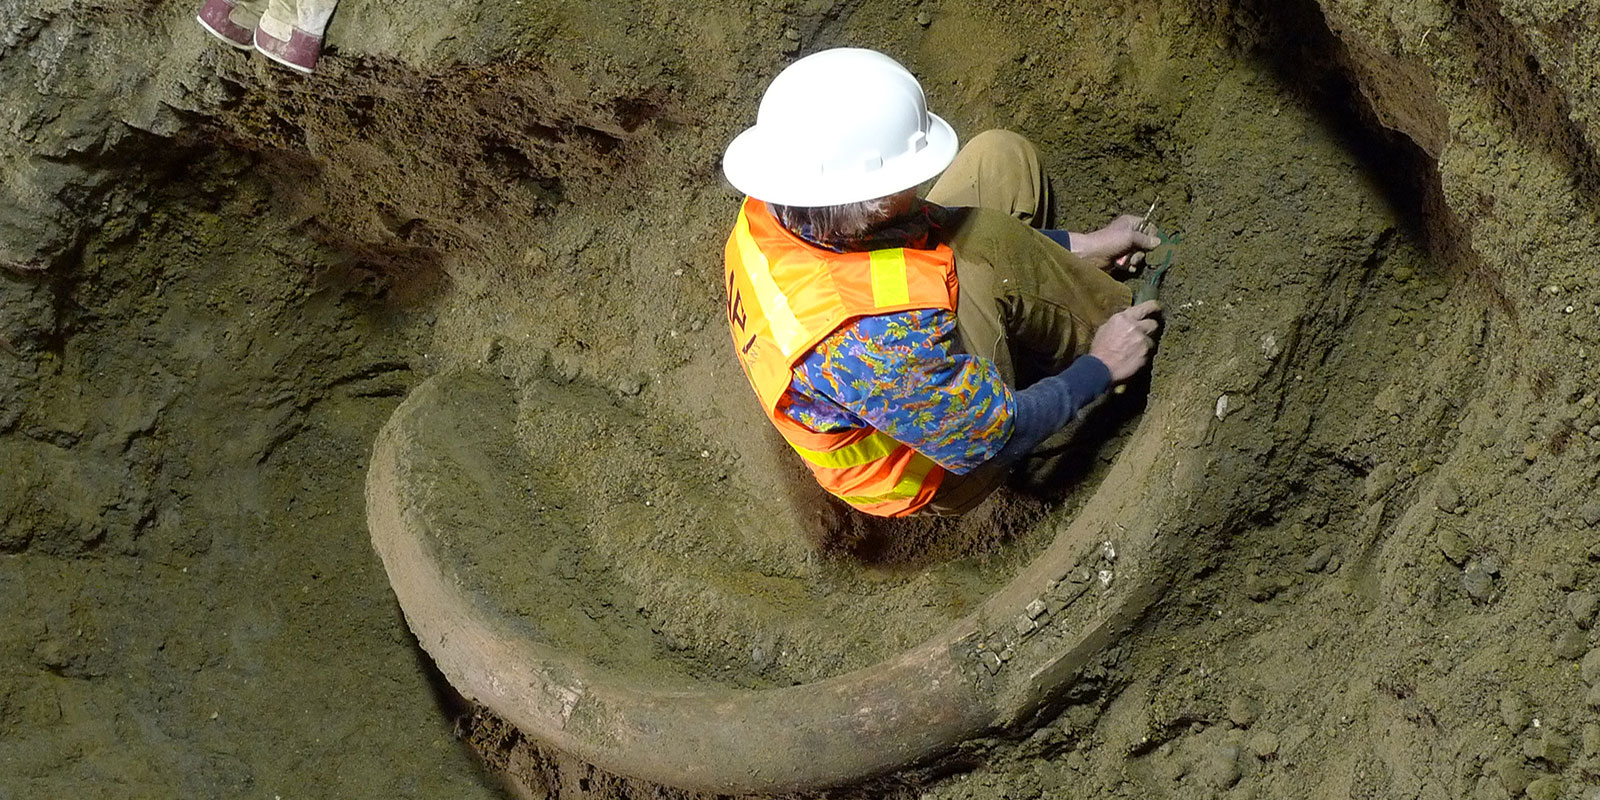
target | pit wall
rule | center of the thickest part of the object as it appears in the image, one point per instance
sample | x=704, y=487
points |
x=1436, y=654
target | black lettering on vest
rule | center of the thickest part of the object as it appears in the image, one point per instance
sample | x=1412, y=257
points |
x=747, y=345
x=736, y=313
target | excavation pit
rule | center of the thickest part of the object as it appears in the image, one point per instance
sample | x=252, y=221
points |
x=619, y=584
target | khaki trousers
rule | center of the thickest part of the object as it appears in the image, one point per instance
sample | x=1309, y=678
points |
x=1024, y=301
x=279, y=18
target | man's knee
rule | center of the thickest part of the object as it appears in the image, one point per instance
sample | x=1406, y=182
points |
x=997, y=169
x=1001, y=143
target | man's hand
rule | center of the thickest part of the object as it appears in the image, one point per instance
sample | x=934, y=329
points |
x=1123, y=343
x=1120, y=243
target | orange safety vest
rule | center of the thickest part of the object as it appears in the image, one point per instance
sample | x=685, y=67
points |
x=785, y=296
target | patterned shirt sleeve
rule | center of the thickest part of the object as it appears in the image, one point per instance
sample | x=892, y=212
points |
x=900, y=374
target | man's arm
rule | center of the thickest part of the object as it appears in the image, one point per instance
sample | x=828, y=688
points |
x=1047, y=406
x=899, y=374
x=1120, y=348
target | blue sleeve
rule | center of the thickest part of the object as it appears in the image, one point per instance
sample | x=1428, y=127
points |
x=1047, y=406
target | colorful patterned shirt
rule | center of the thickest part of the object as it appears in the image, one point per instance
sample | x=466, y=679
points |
x=900, y=373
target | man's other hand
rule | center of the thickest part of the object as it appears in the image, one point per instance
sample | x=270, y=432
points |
x=1119, y=244
x=1123, y=343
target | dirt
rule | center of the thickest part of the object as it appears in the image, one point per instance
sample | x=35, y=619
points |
x=217, y=280
x=192, y=610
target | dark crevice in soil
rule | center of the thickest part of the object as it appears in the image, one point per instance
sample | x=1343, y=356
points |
x=1528, y=102
x=1294, y=38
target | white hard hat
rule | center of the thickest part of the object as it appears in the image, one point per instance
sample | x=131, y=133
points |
x=839, y=126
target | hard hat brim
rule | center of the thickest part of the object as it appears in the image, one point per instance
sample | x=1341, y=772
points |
x=756, y=166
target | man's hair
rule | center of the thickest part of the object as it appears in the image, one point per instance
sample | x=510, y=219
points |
x=835, y=223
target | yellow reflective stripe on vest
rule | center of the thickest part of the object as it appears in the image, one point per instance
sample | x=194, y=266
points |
x=889, y=286
x=781, y=320
x=910, y=484
x=865, y=451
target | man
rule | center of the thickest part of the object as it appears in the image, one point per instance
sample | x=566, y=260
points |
x=913, y=353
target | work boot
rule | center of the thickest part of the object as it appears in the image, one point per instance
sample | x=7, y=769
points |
x=290, y=33
x=229, y=21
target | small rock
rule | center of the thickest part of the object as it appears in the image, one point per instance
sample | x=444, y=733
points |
x=1582, y=606
x=1590, y=667
x=1270, y=348
x=1570, y=644
x=1514, y=712
x=1261, y=588
x=1264, y=745
x=761, y=657
x=1477, y=582
x=1553, y=748
x=1487, y=788
x=1512, y=774
x=1546, y=788
x=1592, y=699
x=791, y=34
x=1168, y=768
x=492, y=349
x=1453, y=545
x=1221, y=768
x=565, y=372
x=924, y=18
x=52, y=654
x=1590, y=513
x=1318, y=559
x=1530, y=452
x=1447, y=497
x=764, y=651
x=1077, y=762
x=1380, y=481
x=630, y=386
x=1563, y=576
x=1591, y=739
x=1222, y=407
x=1243, y=711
